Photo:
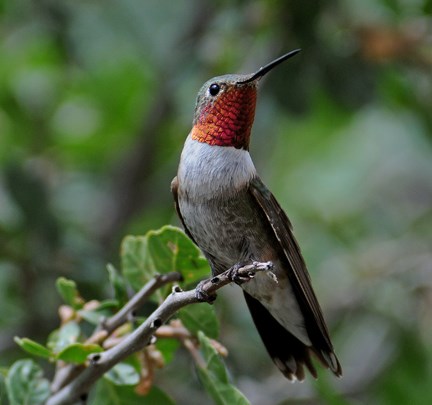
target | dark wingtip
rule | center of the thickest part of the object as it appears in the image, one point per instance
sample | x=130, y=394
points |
x=294, y=368
x=334, y=364
x=329, y=360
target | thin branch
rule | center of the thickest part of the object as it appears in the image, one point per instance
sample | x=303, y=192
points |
x=138, y=300
x=100, y=363
x=65, y=373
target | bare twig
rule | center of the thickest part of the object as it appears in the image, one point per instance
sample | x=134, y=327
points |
x=141, y=337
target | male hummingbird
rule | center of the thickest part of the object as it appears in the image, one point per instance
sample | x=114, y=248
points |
x=230, y=214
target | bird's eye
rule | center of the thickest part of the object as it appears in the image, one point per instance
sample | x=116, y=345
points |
x=214, y=89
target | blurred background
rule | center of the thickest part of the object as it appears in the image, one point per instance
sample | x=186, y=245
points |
x=96, y=99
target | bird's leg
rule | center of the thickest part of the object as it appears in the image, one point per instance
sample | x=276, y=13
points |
x=235, y=276
x=243, y=271
x=239, y=273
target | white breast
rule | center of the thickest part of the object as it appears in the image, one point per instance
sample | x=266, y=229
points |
x=209, y=170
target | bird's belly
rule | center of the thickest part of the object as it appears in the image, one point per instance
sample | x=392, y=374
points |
x=223, y=230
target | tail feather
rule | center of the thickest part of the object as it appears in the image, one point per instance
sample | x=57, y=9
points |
x=289, y=354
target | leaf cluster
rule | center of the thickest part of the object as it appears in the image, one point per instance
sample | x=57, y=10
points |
x=83, y=332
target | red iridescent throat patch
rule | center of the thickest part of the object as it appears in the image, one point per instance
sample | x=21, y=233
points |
x=227, y=121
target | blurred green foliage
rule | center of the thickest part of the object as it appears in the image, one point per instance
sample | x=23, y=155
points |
x=96, y=99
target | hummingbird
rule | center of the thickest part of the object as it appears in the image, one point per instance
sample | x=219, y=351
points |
x=230, y=214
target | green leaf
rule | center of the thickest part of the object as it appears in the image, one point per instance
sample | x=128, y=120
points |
x=408, y=375
x=136, y=264
x=172, y=250
x=52, y=340
x=25, y=384
x=77, y=353
x=200, y=317
x=33, y=347
x=123, y=374
x=214, y=376
x=328, y=393
x=134, y=361
x=214, y=364
x=107, y=393
x=158, y=397
x=63, y=337
x=168, y=348
x=119, y=285
x=104, y=310
x=3, y=375
x=161, y=251
x=69, y=292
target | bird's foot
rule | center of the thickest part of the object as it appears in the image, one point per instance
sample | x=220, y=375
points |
x=240, y=277
x=242, y=272
x=202, y=295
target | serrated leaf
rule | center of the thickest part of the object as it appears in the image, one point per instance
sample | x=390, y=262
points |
x=118, y=284
x=69, y=292
x=25, y=384
x=77, y=353
x=215, y=378
x=33, y=347
x=63, y=337
x=123, y=374
x=200, y=317
x=107, y=393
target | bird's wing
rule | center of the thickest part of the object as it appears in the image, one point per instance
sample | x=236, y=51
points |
x=299, y=276
x=174, y=190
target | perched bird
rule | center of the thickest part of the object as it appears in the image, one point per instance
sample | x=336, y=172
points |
x=230, y=214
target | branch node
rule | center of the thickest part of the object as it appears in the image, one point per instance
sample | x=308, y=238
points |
x=174, y=276
x=176, y=289
x=215, y=280
x=94, y=358
x=202, y=295
x=157, y=322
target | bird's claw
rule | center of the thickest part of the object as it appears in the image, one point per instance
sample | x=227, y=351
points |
x=236, y=277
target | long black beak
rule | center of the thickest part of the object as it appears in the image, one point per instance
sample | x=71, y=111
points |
x=265, y=69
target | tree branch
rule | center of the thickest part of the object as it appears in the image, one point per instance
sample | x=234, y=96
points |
x=100, y=363
x=65, y=373
x=138, y=300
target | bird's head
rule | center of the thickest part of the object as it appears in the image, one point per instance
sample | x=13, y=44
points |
x=225, y=107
